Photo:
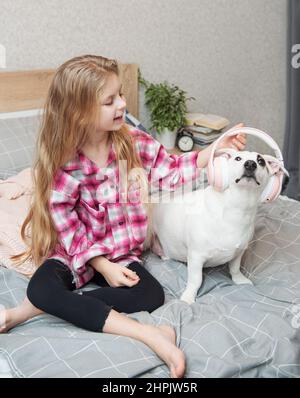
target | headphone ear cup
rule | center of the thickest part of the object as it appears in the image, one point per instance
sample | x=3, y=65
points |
x=221, y=176
x=272, y=189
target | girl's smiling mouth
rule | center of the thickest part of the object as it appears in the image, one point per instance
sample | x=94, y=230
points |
x=118, y=118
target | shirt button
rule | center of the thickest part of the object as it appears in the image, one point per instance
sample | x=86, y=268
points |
x=121, y=222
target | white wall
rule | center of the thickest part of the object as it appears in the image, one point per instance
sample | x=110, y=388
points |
x=229, y=54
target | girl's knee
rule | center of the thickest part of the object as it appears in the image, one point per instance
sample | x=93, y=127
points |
x=158, y=296
x=150, y=297
x=157, y=292
x=35, y=293
x=46, y=284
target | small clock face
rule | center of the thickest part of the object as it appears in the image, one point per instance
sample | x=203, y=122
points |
x=185, y=143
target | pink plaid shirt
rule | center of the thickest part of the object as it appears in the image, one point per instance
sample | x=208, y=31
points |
x=90, y=214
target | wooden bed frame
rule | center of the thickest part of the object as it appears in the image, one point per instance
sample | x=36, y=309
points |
x=24, y=90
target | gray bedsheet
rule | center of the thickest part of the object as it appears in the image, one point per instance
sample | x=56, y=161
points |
x=231, y=331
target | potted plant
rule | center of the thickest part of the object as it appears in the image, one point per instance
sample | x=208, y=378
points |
x=168, y=109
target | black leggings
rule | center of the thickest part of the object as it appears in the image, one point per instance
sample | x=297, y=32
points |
x=51, y=290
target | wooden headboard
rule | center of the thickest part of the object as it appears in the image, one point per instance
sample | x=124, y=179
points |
x=24, y=90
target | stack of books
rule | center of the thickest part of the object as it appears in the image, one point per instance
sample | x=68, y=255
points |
x=206, y=128
x=203, y=136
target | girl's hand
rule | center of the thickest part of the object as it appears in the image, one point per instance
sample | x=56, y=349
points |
x=117, y=275
x=237, y=142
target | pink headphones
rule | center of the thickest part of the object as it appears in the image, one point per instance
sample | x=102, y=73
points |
x=217, y=168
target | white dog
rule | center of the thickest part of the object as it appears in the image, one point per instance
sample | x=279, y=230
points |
x=211, y=227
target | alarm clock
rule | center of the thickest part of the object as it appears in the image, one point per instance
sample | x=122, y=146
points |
x=185, y=141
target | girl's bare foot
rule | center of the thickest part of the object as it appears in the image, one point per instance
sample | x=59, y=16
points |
x=164, y=345
x=9, y=318
x=2, y=319
x=160, y=339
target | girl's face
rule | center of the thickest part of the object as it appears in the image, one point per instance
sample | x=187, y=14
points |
x=112, y=106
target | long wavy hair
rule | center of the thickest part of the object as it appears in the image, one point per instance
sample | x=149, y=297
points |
x=70, y=111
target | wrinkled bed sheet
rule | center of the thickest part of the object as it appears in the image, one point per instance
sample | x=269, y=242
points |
x=231, y=331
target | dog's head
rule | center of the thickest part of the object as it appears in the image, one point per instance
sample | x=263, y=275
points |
x=249, y=169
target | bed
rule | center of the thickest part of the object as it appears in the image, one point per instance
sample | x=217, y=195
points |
x=231, y=331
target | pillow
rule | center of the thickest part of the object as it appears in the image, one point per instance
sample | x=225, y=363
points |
x=6, y=173
x=18, y=132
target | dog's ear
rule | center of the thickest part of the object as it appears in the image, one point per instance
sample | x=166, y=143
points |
x=226, y=151
x=273, y=165
x=270, y=164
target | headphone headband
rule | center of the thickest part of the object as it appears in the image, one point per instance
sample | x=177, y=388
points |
x=251, y=131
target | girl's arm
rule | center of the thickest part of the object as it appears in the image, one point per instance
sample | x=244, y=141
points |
x=165, y=171
x=98, y=263
x=203, y=156
x=115, y=274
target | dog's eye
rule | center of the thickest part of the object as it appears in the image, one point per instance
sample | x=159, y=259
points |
x=261, y=162
x=238, y=158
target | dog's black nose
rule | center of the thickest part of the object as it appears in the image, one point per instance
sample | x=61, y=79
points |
x=250, y=165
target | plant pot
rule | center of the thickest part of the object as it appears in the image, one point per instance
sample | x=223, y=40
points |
x=167, y=138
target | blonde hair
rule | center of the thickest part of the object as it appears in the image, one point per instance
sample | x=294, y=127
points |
x=70, y=112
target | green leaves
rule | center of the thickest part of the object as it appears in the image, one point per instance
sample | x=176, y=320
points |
x=166, y=103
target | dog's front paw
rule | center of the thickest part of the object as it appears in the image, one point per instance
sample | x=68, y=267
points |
x=240, y=279
x=187, y=297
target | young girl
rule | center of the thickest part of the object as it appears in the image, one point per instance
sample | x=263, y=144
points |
x=83, y=225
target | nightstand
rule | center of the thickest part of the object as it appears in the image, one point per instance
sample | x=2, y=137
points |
x=177, y=151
